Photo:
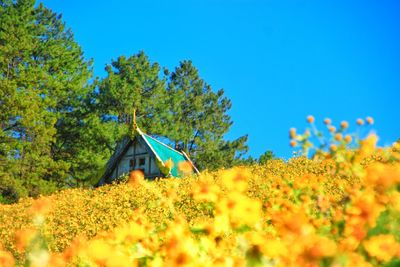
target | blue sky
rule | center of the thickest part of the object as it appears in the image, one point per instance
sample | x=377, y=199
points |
x=278, y=61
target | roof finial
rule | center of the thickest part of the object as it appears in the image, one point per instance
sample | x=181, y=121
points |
x=133, y=125
x=134, y=119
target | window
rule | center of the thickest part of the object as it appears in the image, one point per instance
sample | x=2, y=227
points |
x=132, y=163
x=142, y=161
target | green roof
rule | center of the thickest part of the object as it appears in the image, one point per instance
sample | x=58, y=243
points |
x=165, y=153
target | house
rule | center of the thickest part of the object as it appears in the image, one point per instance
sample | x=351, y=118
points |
x=144, y=153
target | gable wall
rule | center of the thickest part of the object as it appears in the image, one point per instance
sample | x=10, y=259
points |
x=137, y=156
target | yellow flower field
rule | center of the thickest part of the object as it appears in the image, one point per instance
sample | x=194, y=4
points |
x=340, y=208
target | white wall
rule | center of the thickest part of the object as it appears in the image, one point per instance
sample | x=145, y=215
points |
x=139, y=153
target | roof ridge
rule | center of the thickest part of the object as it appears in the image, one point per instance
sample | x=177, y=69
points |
x=150, y=146
x=163, y=144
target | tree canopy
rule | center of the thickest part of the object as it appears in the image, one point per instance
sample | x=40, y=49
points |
x=59, y=125
x=179, y=107
x=200, y=120
x=43, y=82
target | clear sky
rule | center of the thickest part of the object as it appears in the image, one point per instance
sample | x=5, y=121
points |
x=277, y=60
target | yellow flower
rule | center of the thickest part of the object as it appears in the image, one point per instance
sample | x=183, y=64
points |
x=382, y=247
x=241, y=209
x=321, y=247
x=249, y=212
x=130, y=233
x=344, y=124
x=205, y=191
x=310, y=119
x=57, y=260
x=382, y=175
x=76, y=247
x=323, y=203
x=292, y=133
x=39, y=258
x=169, y=164
x=136, y=177
x=365, y=207
x=185, y=167
x=293, y=143
x=98, y=251
x=370, y=120
x=368, y=145
x=293, y=223
x=221, y=223
x=23, y=238
x=394, y=200
x=273, y=212
x=348, y=138
x=327, y=121
x=349, y=243
x=333, y=147
x=117, y=258
x=6, y=259
x=274, y=248
x=235, y=179
x=338, y=137
x=179, y=248
x=354, y=259
x=41, y=206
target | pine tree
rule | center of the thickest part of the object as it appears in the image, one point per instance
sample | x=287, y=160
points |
x=200, y=120
x=134, y=83
x=43, y=78
x=183, y=111
x=268, y=155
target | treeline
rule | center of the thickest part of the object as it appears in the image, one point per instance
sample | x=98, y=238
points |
x=59, y=124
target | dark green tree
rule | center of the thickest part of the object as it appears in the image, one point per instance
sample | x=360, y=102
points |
x=247, y=161
x=199, y=120
x=134, y=83
x=184, y=109
x=57, y=129
x=268, y=155
x=43, y=82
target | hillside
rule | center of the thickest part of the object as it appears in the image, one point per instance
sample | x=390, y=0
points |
x=340, y=210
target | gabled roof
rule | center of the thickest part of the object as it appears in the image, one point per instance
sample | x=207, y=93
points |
x=161, y=151
x=122, y=147
x=164, y=153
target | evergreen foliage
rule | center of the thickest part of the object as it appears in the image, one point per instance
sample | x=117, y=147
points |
x=267, y=156
x=43, y=84
x=180, y=108
x=133, y=83
x=59, y=126
x=200, y=120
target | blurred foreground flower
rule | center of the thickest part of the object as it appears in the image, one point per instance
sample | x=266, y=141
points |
x=185, y=167
x=136, y=177
x=382, y=247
